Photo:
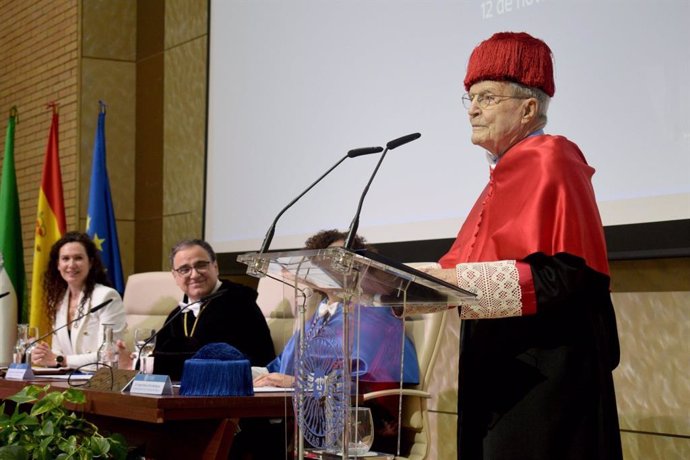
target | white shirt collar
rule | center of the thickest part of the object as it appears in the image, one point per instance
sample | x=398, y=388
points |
x=195, y=306
x=493, y=159
x=325, y=307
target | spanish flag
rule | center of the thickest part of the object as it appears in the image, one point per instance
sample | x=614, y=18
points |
x=50, y=224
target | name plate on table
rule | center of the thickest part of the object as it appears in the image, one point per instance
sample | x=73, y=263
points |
x=150, y=384
x=18, y=371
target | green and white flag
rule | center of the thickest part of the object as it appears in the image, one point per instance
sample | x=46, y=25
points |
x=12, y=274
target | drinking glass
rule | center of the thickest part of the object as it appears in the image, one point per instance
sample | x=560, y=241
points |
x=25, y=336
x=361, y=431
x=20, y=346
x=144, y=343
x=32, y=335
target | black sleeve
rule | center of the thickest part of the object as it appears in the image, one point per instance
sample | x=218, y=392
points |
x=233, y=318
x=560, y=279
x=172, y=348
x=165, y=333
x=252, y=336
x=570, y=293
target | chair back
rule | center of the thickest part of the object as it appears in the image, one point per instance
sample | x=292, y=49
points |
x=425, y=332
x=275, y=301
x=149, y=298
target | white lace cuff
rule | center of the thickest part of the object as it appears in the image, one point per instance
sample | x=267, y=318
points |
x=497, y=285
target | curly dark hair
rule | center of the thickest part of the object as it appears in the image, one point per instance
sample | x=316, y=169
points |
x=54, y=286
x=325, y=238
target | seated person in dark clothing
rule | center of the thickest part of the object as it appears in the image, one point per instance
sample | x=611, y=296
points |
x=233, y=317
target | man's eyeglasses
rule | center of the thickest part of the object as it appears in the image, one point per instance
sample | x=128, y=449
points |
x=485, y=100
x=201, y=267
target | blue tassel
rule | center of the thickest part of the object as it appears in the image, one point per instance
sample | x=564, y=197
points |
x=217, y=369
x=219, y=350
x=213, y=377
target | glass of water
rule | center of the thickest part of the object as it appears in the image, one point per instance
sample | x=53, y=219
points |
x=361, y=431
x=32, y=332
x=144, y=343
x=22, y=341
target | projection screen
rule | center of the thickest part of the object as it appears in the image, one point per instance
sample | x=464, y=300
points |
x=294, y=85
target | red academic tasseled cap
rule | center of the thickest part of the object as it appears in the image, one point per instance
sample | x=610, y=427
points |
x=512, y=56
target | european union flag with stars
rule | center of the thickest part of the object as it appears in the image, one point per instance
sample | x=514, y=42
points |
x=100, y=220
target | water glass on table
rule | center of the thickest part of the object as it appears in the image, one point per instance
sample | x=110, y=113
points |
x=361, y=431
x=32, y=332
x=26, y=335
x=144, y=343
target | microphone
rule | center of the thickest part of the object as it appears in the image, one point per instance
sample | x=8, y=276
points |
x=4, y=294
x=208, y=298
x=93, y=310
x=351, y=154
x=395, y=143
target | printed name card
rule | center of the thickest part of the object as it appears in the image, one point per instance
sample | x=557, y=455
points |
x=151, y=384
x=18, y=371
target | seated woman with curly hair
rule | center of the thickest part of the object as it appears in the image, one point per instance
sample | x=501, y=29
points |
x=74, y=283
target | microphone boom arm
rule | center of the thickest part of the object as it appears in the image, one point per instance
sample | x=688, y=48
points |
x=395, y=143
x=53, y=331
x=352, y=232
x=351, y=154
x=271, y=230
x=208, y=298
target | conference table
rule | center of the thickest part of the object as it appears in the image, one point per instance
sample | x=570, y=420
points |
x=171, y=427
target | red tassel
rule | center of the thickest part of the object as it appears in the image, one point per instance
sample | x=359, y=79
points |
x=511, y=56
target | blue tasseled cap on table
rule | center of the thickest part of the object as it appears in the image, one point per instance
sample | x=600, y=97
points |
x=217, y=369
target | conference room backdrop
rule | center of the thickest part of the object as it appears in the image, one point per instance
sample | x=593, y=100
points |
x=148, y=62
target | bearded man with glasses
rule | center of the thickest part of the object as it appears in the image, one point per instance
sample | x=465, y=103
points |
x=539, y=344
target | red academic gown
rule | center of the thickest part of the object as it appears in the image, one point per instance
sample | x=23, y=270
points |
x=539, y=386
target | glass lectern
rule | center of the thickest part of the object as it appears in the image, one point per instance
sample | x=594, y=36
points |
x=323, y=388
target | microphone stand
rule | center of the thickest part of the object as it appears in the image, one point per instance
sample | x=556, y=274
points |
x=351, y=154
x=208, y=298
x=93, y=310
x=395, y=143
x=349, y=241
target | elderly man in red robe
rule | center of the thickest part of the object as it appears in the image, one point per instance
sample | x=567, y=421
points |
x=539, y=344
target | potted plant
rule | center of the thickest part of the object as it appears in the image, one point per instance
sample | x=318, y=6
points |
x=51, y=431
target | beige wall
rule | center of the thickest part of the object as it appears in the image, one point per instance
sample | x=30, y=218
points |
x=652, y=300
x=152, y=70
x=147, y=61
x=39, y=55
x=184, y=112
x=108, y=74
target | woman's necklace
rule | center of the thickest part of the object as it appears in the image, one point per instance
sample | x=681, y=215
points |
x=72, y=306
